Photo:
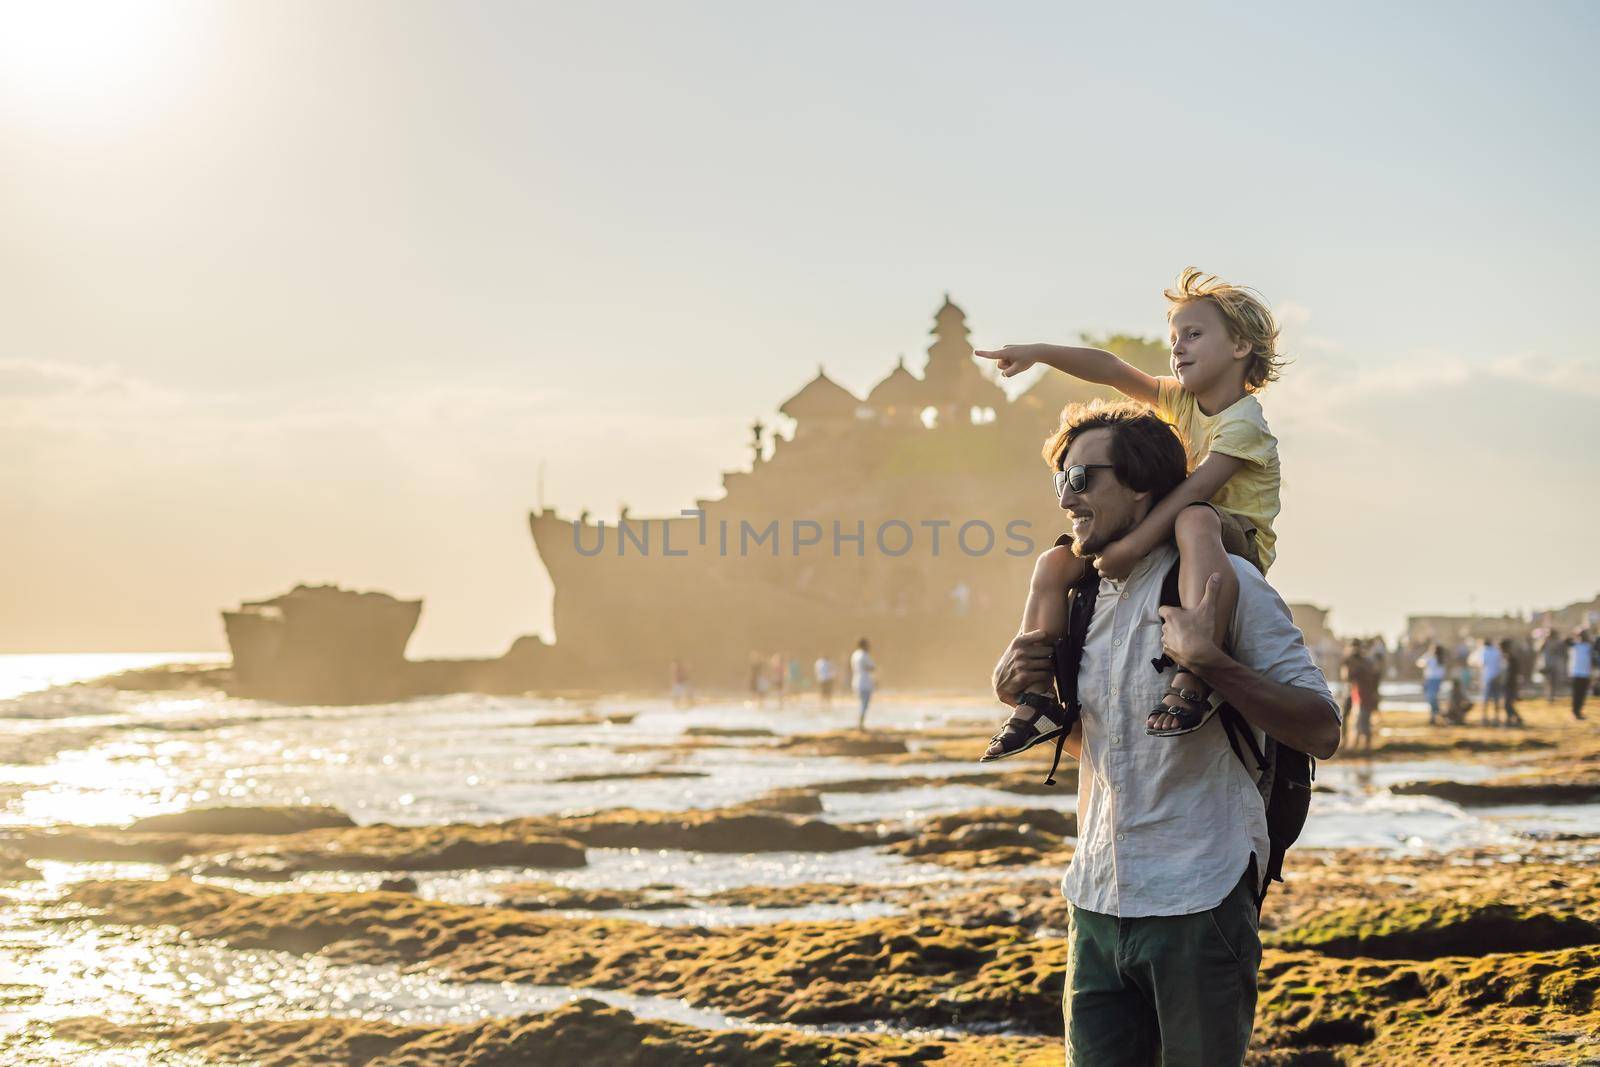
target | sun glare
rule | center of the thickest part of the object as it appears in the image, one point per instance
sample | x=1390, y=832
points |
x=77, y=58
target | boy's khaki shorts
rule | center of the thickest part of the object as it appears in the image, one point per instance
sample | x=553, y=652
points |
x=1238, y=535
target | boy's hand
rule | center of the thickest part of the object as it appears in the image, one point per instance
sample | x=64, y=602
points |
x=1115, y=561
x=1013, y=359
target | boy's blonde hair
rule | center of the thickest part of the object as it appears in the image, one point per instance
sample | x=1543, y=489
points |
x=1247, y=315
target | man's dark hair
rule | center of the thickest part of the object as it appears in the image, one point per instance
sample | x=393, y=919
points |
x=1147, y=455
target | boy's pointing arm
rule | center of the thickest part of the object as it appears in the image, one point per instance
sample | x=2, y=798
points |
x=1090, y=364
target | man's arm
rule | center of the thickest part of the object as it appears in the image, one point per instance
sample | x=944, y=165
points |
x=1090, y=364
x=1297, y=716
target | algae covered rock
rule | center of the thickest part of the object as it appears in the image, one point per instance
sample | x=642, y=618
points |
x=391, y=848
x=990, y=837
x=585, y=1031
x=1430, y=928
x=734, y=830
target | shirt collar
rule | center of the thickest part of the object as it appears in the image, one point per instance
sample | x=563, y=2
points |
x=1140, y=570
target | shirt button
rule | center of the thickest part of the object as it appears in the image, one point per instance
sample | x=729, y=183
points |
x=1113, y=690
x=1117, y=642
x=1121, y=836
x=1124, y=596
x=1116, y=739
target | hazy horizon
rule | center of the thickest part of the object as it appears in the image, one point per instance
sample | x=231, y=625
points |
x=309, y=292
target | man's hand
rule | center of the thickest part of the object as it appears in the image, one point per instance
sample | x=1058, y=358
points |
x=1027, y=663
x=1116, y=561
x=1013, y=359
x=1188, y=635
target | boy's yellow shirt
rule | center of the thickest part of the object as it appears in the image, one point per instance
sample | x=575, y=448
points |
x=1239, y=430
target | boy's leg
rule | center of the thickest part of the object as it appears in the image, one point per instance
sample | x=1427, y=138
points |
x=1056, y=570
x=1198, y=532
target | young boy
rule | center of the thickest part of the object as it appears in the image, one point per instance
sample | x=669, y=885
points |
x=1224, y=351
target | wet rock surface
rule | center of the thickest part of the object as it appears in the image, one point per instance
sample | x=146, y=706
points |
x=584, y=1032
x=922, y=974
x=548, y=896
x=276, y=856
x=243, y=820
x=763, y=825
x=1506, y=791
x=391, y=848
x=739, y=829
x=992, y=837
x=14, y=866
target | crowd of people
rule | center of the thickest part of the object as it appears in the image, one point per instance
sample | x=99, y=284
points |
x=1491, y=674
x=780, y=676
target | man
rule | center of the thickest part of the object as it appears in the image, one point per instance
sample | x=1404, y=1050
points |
x=1490, y=663
x=1172, y=836
x=1367, y=678
x=824, y=671
x=1510, y=678
x=1580, y=665
x=864, y=679
x=1553, y=655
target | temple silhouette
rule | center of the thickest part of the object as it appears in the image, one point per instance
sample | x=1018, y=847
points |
x=940, y=475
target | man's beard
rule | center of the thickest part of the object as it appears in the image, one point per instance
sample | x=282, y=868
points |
x=1098, y=543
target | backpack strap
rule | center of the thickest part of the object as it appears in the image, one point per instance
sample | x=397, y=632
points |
x=1235, y=727
x=1170, y=598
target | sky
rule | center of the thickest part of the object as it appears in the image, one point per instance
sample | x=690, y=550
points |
x=313, y=292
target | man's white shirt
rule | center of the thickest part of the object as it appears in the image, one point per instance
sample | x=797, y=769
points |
x=1166, y=826
x=862, y=670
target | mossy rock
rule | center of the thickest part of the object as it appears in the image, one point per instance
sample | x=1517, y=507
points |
x=586, y=1031
x=1430, y=929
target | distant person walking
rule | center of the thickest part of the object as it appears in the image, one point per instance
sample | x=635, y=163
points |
x=682, y=695
x=825, y=675
x=1349, y=670
x=1490, y=663
x=1366, y=677
x=1510, y=676
x=863, y=678
x=1580, y=667
x=758, y=680
x=1433, y=667
x=1553, y=658
x=776, y=666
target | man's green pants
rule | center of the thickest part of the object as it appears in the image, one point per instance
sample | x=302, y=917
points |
x=1173, y=990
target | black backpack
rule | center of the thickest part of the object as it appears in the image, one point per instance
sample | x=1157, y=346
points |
x=1283, y=774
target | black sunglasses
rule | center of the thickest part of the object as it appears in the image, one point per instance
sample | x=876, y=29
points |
x=1076, y=477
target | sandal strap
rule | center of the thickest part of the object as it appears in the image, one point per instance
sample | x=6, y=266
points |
x=1193, y=696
